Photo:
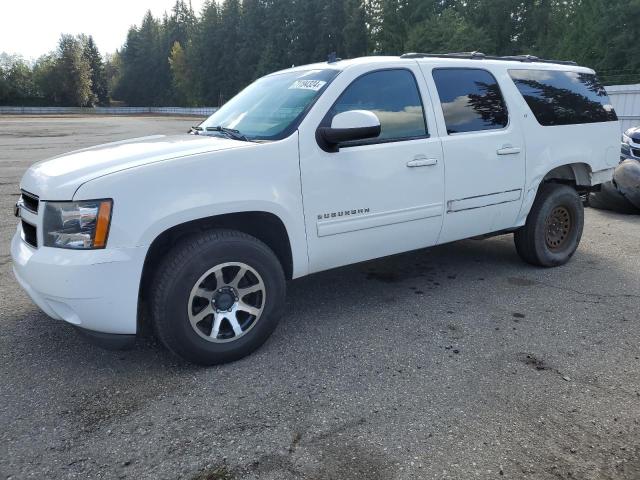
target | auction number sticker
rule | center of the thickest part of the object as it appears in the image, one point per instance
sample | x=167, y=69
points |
x=314, y=85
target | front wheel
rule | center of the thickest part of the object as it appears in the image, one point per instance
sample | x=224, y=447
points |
x=217, y=297
x=553, y=228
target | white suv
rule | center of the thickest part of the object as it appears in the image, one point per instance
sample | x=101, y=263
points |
x=307, y=169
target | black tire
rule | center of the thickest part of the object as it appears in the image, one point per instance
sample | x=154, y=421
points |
x=627, y=180
x=609, y=198
x=554, y=227
x=179, y=272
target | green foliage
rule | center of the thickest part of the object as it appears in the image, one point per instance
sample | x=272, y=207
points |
x=16, y=80
x=73, y=73
x=142, y=64
x=604, y=35
x=354, y=32
x=182, y=75
x=62, y=77
x=46, y=77
x=448, y=31
x=204, y=58
x=112, y=70
x=99, y=88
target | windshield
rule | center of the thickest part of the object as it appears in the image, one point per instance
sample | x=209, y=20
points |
x=271, y=107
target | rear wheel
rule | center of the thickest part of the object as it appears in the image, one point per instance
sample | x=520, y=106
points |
x=217, y=297
x=553, y=228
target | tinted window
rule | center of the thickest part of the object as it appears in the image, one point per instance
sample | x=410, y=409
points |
x=471, y=100
x=393, y=96
x=563, y=98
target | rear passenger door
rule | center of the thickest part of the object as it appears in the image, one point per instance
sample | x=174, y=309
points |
x=484, y=151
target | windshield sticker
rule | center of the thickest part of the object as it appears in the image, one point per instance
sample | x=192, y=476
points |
x=314, y=85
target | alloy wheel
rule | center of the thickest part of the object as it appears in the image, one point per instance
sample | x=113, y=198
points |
x=226, y=302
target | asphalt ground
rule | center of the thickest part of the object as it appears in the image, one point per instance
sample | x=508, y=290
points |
x=456, y=362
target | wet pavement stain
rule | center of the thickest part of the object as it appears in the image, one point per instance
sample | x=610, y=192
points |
x=521, y=282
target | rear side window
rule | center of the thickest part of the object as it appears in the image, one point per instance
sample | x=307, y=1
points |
x=564, y=98
x=471, y=100
x=393, y=96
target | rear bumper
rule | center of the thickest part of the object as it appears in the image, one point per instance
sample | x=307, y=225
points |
x=95, y=290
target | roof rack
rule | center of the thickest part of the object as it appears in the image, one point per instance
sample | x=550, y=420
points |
x=482, y=56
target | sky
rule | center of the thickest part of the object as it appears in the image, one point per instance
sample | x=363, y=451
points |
x=32, y=27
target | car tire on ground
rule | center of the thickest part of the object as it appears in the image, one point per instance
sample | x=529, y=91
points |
x=553, y=228
x=609, y=198
x=627, y=181
x=217, y=296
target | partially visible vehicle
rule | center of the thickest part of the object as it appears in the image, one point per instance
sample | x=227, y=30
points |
x=631, y=144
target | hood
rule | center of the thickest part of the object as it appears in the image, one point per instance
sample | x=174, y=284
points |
x=59, y=177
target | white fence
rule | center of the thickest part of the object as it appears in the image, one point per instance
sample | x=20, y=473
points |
x=626, y=100
x=196, y=111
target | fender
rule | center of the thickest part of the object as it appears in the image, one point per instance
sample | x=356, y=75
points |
x=153, y=198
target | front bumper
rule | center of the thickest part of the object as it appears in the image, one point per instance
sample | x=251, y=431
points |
x=92, y=289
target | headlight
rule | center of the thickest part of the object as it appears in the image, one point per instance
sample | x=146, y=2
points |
x=77, y=225
x=626, y=139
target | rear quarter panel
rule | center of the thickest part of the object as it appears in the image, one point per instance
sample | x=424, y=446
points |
x=594, y=144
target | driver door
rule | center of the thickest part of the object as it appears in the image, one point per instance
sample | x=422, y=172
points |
x=378, y=196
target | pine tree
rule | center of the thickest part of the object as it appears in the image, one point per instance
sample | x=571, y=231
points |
x=204, y=55
x=447, y=32
x=307, y=32
x=113, y=70
x=501, y=21
x=355, y=33
x=179, y=27
x=46, y=77
x=98, y=78
x=391, y=22
x=334, y=21
x=181, y=23
x=143, y=64
x=74, y=72
x=226, y=50
x=277, y=50
x=182, y=76
x=253, y=31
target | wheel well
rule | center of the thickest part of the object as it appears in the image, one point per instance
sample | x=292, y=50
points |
x=577, y=175
x=266, y=227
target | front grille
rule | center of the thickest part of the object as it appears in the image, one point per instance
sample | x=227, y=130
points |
x=29, y=234
x=636, y=152
x=30, y=201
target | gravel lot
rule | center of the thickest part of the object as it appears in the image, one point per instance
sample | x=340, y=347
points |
x=455, y=362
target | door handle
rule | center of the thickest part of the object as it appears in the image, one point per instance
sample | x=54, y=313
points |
x=508, y=150
x=421, y=161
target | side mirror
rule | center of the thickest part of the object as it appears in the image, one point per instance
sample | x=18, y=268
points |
x=348, y=126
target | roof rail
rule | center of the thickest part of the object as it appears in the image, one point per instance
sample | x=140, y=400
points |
x=482, y=56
